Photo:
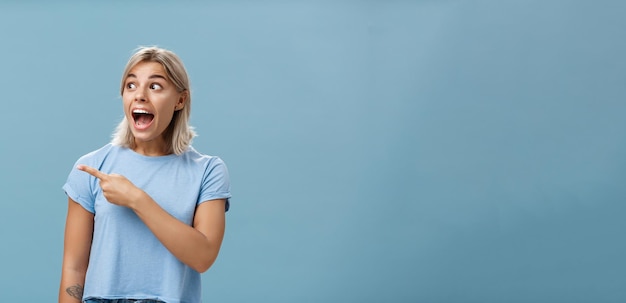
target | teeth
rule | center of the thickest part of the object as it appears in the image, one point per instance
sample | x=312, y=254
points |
x=140, y=111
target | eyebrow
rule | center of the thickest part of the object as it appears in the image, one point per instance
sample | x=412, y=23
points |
x=151, y=76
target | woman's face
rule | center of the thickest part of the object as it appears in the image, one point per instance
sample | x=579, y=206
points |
x=150, y=100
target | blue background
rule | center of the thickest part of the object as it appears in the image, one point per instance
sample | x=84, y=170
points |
x=380, y=151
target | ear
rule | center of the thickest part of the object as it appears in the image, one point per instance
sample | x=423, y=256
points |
x=182, y=100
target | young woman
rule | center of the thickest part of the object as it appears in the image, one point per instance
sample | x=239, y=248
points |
x=146, y=212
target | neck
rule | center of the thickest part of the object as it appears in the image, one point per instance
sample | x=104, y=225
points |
x=153, y=148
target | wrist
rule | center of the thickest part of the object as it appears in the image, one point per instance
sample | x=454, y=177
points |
x=139, y=198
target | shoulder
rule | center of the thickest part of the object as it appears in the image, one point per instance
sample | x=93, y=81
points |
x=203, y=159
x=98, y=155
x=215, y=178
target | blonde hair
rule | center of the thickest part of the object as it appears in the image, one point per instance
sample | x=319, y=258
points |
x=179, y=133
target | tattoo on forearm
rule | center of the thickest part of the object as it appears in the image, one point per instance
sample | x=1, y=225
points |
x=75, y=291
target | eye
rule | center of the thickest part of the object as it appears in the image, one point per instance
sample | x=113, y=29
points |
x=131, y=85
x=155, y=86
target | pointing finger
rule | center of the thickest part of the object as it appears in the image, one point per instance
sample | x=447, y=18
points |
x=92, y=171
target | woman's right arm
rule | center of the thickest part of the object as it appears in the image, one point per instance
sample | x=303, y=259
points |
x=76, y=249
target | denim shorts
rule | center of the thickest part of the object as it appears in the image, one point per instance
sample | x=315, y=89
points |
x=122, y=301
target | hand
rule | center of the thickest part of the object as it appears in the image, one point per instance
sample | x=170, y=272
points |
x=115, y=188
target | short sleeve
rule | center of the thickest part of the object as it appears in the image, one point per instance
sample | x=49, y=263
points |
x=215, y=182
x=79, y=187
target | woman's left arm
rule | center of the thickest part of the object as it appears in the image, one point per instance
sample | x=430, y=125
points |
x=197, y=245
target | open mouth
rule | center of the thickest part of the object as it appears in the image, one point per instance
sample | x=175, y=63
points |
x=142, y=117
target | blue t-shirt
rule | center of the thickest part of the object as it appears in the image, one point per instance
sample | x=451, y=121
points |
x=126, y=259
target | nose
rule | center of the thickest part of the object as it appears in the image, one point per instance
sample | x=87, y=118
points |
x=140, y=95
